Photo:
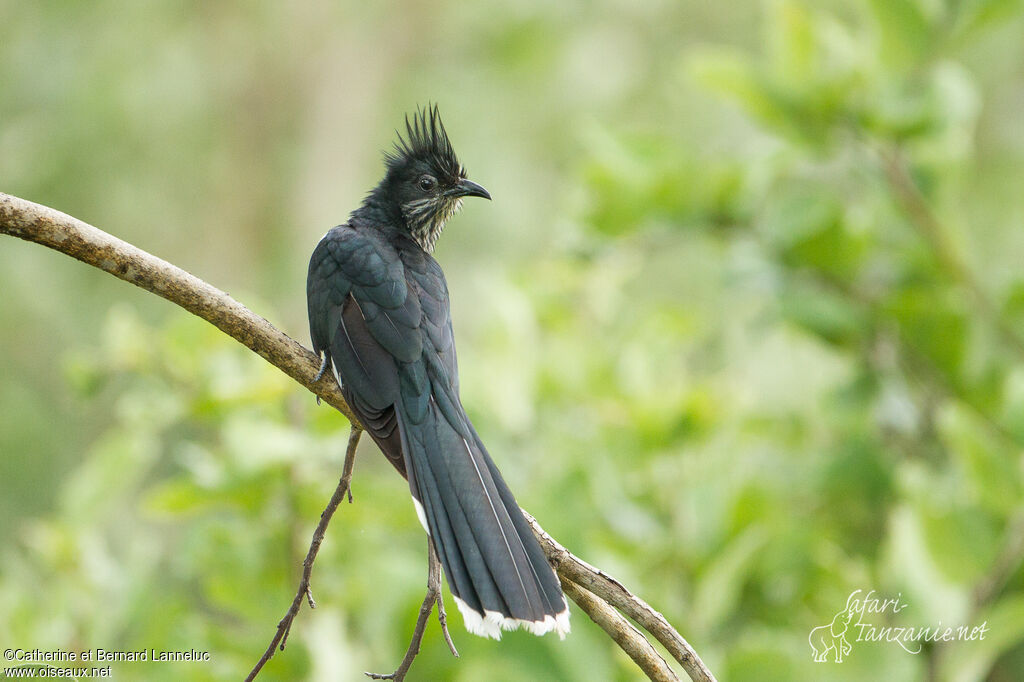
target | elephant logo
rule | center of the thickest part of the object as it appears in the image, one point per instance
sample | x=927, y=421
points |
x=832, y=637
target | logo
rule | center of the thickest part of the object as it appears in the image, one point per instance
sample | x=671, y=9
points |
x=36, y=670
x=857, y=623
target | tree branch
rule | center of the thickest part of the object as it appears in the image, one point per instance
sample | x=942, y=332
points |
x=594, y=591
x=95, y=247
x=433, y=596
x=305, y=591
x=913, y=202
x=572, y=568
x=622, y=631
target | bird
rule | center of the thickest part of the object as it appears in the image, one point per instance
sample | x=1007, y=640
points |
x=380, y=320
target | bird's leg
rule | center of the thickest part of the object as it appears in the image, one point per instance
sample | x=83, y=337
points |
x=433, y=596
x=323, y=367
x=326, y=360
x=304, y=591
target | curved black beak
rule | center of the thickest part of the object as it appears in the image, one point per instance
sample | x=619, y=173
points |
x=468, y=188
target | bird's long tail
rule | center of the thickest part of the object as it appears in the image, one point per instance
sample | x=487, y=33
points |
x=495, y=567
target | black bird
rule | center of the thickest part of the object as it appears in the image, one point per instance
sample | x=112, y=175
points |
x=378, y=312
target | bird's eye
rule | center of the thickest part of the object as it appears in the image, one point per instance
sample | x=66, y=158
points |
x=427, y=183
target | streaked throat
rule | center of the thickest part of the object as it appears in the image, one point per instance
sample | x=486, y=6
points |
x=426, y=218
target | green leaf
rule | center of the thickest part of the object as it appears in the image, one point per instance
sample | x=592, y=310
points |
x=933, y=323
x=963, y=541
x=977, y=15
x=718, y=590
x=733, y=74
x=825, y=314
x=177, y=496
x=1003, y=624
x=991, y=471
x=792, y=32
x=905, y=30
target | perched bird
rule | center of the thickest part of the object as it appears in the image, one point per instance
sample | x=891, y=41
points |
x=379, y=315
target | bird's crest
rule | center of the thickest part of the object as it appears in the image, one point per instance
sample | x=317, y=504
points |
x=425, y=139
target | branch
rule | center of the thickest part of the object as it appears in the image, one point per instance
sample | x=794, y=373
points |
x=344, y=488
x=433, y=596
x=95, y=247
x=913, y=202
x=593, y=590
x=1006, y=564
x=594, y=580
x=624, y=634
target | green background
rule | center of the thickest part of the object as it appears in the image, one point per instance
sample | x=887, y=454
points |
x=743, y=325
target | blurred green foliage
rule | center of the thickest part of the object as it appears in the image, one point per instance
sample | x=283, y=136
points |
x=744, y=325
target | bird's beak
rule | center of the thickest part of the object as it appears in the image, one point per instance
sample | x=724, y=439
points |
x=468, y=188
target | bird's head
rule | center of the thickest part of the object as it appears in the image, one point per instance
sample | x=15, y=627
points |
x=425, y=180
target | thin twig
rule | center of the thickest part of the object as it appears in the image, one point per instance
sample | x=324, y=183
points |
x=910, y=197
x=1006, y=564
x=61, y=232
x=433, y=596
x=572, y=568
x=913, y=201
x=622, y=631
x=442, y=616
x=304, y=591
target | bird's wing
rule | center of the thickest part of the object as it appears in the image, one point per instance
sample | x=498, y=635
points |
x=361, y=315
x=438, y=340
